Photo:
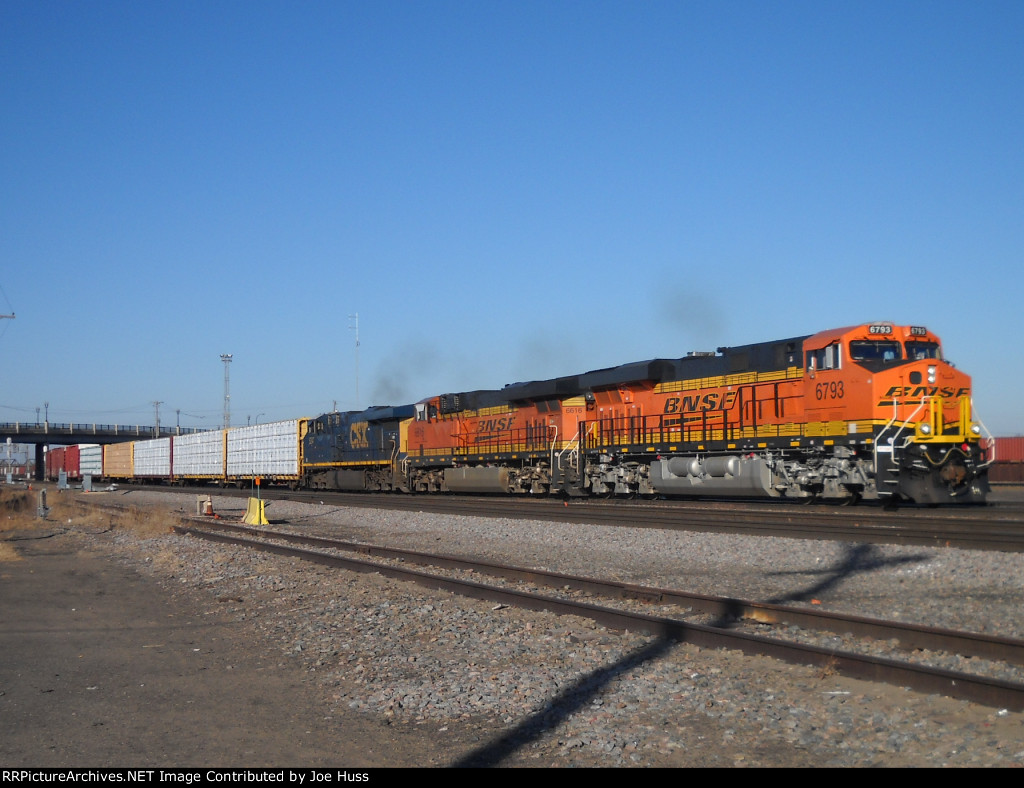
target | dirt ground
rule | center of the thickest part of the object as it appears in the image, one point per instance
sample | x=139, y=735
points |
x=98, y=669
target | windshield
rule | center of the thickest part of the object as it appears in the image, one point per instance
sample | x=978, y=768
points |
x=875, y=350
x=919, y=350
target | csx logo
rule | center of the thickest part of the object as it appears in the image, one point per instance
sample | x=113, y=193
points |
x=495, y=425
x=713, y=401
x=927, y=391
x=357, y=437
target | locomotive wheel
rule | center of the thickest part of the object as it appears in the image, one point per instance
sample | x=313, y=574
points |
x=850, y=500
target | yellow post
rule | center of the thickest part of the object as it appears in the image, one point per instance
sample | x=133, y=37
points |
x=255, y=513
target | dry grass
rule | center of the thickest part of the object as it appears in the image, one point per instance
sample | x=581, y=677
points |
x=8, y=553
x=68, y=510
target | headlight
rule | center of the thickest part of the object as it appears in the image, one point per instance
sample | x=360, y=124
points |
x=931, y=374
x=976, y=429
x=926, y=429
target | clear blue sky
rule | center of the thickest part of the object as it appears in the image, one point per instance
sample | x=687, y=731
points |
x=501, y=191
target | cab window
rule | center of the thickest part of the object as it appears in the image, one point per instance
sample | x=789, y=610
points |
x=875, y=350
x=920, y=350
x=426, y=412
x=827, y=357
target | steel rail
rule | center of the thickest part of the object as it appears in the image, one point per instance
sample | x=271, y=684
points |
x=910, y=636
x=983, y=690
x=849, y=524
x=989, y=528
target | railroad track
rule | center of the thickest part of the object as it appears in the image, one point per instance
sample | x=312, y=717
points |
x=706, y=621
x=978, y=528
x=998, y=527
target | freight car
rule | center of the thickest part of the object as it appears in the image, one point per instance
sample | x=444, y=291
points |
x=74, y=462
x=63, y=460
x=870, y=412
x=237, y=456
x=1008, y=467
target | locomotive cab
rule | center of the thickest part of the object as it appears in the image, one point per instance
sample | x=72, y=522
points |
x=888, y=388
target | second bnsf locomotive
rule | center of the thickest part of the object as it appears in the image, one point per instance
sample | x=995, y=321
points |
x=869, y=412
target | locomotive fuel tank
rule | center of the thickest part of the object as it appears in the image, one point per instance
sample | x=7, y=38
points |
x=477, y=480
x=347, y=479
x=726, y=475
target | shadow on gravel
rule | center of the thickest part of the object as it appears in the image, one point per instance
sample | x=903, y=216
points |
x=564, y=704
x=857, y=559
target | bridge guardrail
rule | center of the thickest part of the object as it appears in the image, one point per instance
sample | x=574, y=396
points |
x=49, y=428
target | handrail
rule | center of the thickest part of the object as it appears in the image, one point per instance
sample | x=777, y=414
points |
x=892, y=441
x=572, y=448
x=990, y=449
x=965, y=417
x=568, y=448
x=906, y=421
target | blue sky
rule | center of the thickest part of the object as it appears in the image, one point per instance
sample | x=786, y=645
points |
x=500, y=191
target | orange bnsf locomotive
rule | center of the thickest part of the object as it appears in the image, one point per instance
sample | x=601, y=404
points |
x=869, y=412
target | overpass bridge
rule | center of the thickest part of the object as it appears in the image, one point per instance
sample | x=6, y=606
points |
x=45, y=433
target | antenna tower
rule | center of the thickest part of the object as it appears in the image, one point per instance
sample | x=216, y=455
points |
x=356, y=329
x=226, y=358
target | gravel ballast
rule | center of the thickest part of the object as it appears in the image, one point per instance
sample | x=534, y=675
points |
x=566, y=692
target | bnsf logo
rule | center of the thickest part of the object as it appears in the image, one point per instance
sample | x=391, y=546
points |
x=495, y=425
x=927, y=391
x=713, y=401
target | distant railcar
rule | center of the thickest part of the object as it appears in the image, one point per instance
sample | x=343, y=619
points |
x=1008, y=467
x=75, y=461
x=200, y=456
x=118, y=461
x=90, y=460
x=271, y=452
x=66, y=460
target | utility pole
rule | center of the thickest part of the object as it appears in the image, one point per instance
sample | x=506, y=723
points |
x=356, y=328
x=226, y=358
x=156, y=429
